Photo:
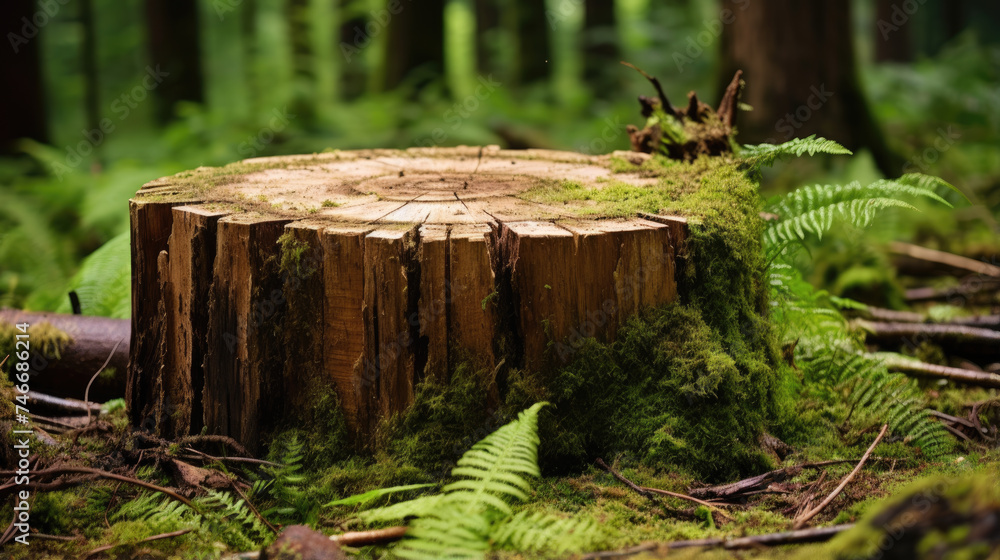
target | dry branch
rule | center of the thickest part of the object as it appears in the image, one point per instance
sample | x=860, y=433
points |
x=917, y=368
x=651, y=492
x=843, y=483
x=370, y=538
x=800, y=536
x=942, y=258
x=92, y=339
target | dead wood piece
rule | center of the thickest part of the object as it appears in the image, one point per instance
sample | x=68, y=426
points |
x=801, y=536
x=976, y=290
x=68, y=407
x=933, y=371
x=741, y=488
x=91, y=341
x=651, y=493
x=194, y=477
x=948, y=260
x=963, y=339
x=57, y=471
x=370, y=538
x=801, y=521
x=299, y=542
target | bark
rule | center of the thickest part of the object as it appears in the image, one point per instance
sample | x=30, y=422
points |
x=799, y=61
x=175, y=46
x=91, y=342
x=403, y=278
x=22, y=108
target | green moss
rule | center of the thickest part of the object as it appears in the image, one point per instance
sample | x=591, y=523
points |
x=292, y=250
x=43, y=338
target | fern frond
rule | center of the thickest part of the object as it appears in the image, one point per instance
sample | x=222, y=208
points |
x=104, y=281
x=813, y=209
x=760, y=155
x=538, y=533
x=458, y=523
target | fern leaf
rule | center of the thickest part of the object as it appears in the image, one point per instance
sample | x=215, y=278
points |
x=756, y=156
x=537, y=532
x=458, y=523
x=362, y=499
x=813, y=209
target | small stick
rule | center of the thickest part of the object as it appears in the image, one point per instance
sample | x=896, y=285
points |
x=666, y=106
x=843, y=483
x=253, y=508
x=771, y=539
x=4, y=360
x=948, y=259
x=147, y=539
x=113, y=476
x=650, y=492
x=206, y=456
x=369, y=538
x=226, y=440
x=710, y=506
x=86, y=392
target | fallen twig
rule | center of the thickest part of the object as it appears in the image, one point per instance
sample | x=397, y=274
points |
x=111, y=476
x=843, y=483
x=950, y=260
x=86, y=392
x=147, y=539
x=651, y=492
x=800, y=536
x=70, y=407
x=225, y=440
x=917, y=368
x=370, y=538
x=253, y=508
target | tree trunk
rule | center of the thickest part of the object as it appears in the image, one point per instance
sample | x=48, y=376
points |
x=367, y=272
x=303, y=73
x=175, y=47
x=22, y=108
x=534, y=51
x=415, y=47
x=798, y=59
x=601, y=48
x=892, y=43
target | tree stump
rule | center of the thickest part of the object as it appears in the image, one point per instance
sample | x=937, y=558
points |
x=258, y=286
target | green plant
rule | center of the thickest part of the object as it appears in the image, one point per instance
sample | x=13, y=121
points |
x=834, y=364
x=473, y=514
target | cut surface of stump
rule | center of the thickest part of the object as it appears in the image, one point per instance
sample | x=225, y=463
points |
x=261, y=286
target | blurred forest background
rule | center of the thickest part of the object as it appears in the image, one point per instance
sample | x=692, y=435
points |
x=99, y=97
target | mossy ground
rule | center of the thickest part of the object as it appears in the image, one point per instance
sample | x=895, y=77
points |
x=678, y=400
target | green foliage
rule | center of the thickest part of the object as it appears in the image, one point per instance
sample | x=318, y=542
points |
x=547, y=535
x=371, y=496
x=286, y=488
x=461, y=522
x=813, y=209
x=754, y=157
x=104, y=281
